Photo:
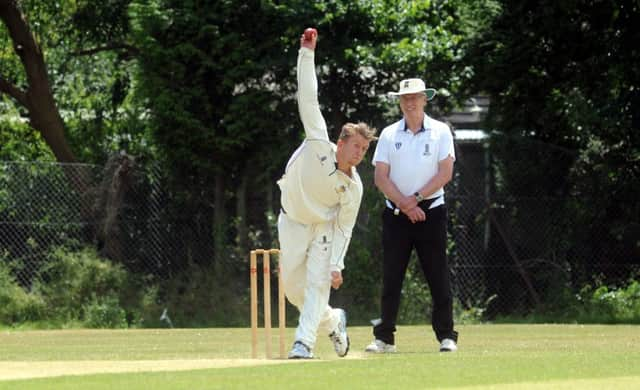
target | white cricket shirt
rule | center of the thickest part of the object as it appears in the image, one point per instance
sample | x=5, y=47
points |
x=413, y=158
x=313, y=189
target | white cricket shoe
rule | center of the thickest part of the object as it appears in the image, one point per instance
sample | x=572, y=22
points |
x=379, y=346
x=300, y=351
x=339, y=336
x=448, y=345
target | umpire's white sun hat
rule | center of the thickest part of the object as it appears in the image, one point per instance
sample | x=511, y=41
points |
x=408, y=86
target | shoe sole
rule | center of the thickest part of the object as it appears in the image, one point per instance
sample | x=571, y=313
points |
x=380, y=351
x=346, y=350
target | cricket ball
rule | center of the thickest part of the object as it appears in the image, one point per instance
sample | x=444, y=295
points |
x=310, y=33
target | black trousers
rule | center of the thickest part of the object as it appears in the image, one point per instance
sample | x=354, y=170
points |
x=429, y=238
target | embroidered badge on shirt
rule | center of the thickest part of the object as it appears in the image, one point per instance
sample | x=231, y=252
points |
x=426, y=150
x=398, y=145
x=322, y=159
x=341, y=189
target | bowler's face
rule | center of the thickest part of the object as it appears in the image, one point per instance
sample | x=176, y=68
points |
x=352, y=150
x=412, y=103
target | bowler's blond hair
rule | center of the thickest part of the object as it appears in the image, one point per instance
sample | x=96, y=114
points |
x=349, y=129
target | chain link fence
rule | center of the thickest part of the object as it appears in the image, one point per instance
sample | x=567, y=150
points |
x=39, y=209
x=516, y=243
x=508, y=251
x=121, y=209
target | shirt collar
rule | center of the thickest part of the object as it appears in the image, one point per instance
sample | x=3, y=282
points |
x=422, y=128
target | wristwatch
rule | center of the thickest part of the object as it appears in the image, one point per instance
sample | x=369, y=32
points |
x=419, y=197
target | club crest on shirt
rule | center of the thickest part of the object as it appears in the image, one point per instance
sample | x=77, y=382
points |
x=398, y=145
x=341, y=189
x=426, y=150
x=322, y=159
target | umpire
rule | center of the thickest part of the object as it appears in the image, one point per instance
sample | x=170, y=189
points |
x=413, y=162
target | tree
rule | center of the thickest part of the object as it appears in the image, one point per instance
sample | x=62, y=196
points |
x=85, y=48
x=37, y=98
x=69, y=78
x=563, y=75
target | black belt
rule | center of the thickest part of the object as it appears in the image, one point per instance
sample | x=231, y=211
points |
x=424, y=205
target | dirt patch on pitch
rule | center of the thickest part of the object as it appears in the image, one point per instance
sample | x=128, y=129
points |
x=39, y=369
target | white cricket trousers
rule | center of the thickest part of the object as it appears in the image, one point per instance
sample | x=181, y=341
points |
x=305, y=252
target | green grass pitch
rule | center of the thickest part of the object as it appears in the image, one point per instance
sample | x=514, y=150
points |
x=490, y=357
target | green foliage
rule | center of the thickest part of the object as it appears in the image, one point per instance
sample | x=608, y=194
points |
x=471, y=314
x=411, y=39
x=195, y=67
x=88, y=61
x=72, y=282
x=201, y=297
x=149, y=308
x=415, y=305
x=592, y=304
x=609, y=304
x=99, y=115
x=16, y=304
x=104, y=313
x=564, y=75
x=19, y=141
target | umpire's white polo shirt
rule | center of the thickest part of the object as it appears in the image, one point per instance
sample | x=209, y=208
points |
x=413, y=158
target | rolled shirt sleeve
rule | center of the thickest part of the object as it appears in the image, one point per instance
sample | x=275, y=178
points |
x=381, y=153
x=446, y=147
